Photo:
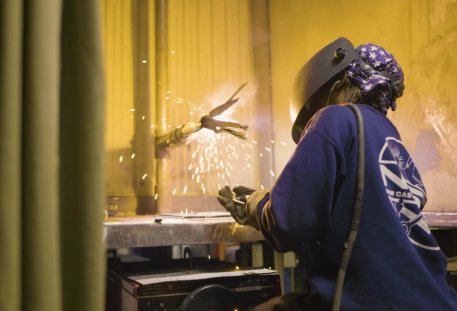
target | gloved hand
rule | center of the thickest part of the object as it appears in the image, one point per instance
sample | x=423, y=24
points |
x=242, y=204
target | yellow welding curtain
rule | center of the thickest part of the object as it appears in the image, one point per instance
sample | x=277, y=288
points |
x=51, y=156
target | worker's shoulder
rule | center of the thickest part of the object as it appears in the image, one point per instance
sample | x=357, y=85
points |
x=334, y=114
x=335, y=123
x=336, y=110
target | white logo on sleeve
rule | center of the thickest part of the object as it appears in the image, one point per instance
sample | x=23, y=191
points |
x=406, y=192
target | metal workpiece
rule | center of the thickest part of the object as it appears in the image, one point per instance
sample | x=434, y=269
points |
x=177, y=136
x=208, y=121
x=157, y=230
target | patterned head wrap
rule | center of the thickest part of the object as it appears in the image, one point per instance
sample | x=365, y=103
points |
x=373, y=67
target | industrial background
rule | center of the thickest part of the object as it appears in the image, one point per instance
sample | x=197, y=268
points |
x=169, y=62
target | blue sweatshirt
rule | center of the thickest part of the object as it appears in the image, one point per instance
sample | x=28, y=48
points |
x=396, y=263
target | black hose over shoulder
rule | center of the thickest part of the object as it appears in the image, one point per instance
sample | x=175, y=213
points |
x=357, y=209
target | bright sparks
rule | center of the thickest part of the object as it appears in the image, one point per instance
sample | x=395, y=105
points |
x=208, y=161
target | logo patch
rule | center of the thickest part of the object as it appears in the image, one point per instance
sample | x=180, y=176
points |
x=406, y=192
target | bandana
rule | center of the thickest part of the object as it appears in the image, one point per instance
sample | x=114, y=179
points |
x=373, y=67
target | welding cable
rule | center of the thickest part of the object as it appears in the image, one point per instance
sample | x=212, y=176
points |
x=357, y=210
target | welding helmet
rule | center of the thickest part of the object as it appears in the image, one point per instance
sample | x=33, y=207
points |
x=314, y=81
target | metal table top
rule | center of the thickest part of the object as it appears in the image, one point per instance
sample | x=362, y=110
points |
x=158, y=230
x=445, y=220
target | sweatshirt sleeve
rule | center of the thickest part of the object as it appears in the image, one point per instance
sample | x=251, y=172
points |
x=298, y=210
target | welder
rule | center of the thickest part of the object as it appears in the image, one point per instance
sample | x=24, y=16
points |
x=350, y=184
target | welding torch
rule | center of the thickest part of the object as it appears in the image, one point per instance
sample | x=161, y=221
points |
x=208, y=121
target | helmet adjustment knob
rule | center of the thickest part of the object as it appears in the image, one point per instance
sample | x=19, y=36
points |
x=339, y=55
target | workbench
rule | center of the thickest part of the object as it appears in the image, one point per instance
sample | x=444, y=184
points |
x=160, y=230
x=441, y=220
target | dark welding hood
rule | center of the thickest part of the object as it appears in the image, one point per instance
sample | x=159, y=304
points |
x=316, y=73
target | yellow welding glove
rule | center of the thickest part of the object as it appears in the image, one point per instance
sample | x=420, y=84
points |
x=242, y=203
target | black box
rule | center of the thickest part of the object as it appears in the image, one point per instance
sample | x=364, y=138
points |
x=207, y=285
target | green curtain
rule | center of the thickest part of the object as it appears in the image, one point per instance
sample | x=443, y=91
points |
x=51, y=156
